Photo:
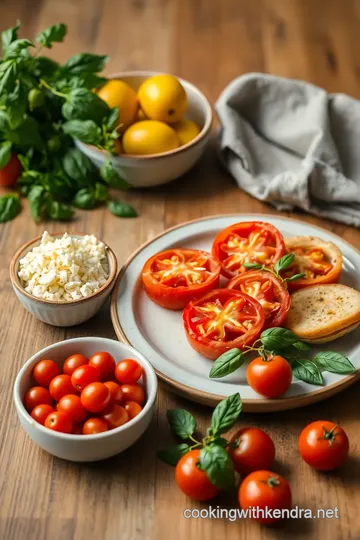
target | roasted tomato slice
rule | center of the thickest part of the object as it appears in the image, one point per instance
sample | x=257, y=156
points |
x=320, y=261
x=174, y=277
x=221, y=320
x=252, y=241
x=268, y=290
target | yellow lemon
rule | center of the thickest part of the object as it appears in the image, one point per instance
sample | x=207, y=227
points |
x=163, y=98
x=119, y=94
x=186, y=130
x=149, y=137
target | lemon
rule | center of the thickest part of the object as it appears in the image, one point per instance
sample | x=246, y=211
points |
x=163, y=98
x=149, y=137
x=119, y=94
x=186, y=130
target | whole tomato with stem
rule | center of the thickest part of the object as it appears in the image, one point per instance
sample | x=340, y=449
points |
x=193, y=481
x=105, y=363
x=41, y=412
x=269, y=375
x=11, y=172
x=73, y=362
x=251, y=449
x=45, y=371
x=128, y=371
x=37, y=395
x=59, y=421
x=323, y=445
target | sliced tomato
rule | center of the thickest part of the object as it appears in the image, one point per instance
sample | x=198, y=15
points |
x=221, y=320
x=268, y=290
x=320, y=261
x=249, y=241
x=174, y=277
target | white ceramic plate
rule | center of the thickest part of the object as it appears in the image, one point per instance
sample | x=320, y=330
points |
x=158, y=333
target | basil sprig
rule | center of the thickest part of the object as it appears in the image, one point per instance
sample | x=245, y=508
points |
x=279, y=266
x=227, y=363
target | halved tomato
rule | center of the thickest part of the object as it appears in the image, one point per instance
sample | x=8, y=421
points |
x=174, y=277
x=320, y=261
x=221, y=320
x=247, y=242
x=268, y=290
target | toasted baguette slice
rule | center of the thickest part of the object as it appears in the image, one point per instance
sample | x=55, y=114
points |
x=322, y=310
x=332, y=337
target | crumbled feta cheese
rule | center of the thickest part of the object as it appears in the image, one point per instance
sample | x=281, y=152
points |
x=64, y=269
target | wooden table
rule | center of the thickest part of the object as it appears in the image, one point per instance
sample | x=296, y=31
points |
x=133, y=496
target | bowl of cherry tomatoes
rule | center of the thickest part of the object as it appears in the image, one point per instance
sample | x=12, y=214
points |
x=85, y=399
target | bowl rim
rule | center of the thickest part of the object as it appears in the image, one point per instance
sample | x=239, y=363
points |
x=151, y=396
x=15, y=280
x=203, y=132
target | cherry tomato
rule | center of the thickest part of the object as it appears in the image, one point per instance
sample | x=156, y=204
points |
x=11, y=172
x=115, y=416
x=323, y=445
x=174, y=277
x=61, y=386
x=37, y=395
x=270, y=377
x=105, y=363
x=255, y=450
x=94, y=425
x=116, y=394
x=41, y=412
x=84, y=375
x=128, y=371
x=73, y=362
x=221, y=320
x=72, y=405
x=45, y=371
x=193, y=481
x=132, y=408
x=133, y=392
x=95, y=397
x=265, y=489
x=59, y=421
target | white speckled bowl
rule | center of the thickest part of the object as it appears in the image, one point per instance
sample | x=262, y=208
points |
x=61, y=313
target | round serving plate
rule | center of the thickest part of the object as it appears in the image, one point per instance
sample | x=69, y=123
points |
x=159, y=335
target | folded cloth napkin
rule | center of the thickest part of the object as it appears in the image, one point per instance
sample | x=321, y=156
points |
x=292, y=144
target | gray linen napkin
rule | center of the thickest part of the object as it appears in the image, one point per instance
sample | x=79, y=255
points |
x=292, y=144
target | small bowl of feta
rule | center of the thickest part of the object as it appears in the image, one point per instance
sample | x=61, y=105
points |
x=63, y=279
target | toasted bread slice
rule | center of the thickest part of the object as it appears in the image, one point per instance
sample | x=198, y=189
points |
x=319, y=311
x=332, y=337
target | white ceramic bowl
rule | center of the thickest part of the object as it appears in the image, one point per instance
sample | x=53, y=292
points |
x=61, y=313
x=156, y=169
x=85, y=447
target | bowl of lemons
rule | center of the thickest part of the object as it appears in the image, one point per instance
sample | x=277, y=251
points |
x=164, y=127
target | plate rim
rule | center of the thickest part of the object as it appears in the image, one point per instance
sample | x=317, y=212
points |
x=207, y=398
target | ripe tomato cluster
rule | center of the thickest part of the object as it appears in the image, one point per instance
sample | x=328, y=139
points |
x=88, y=395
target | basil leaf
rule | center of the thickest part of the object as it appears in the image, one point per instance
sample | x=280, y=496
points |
x=85, y=63
x=226, y=363
x=110, y=175
x=172, y=454
x=101, y=192
x=59, y=211
x=220, y=441
x=284, y=262
x=82, y=104
x=16, y=104
x=217, y=464
x=121, y=209
x=53, y=34
x=253, y=266
x=9, y=207
x=45, y=67
x=16, y=47
x=181, y=422
x=78, y=166
x=275, y=339
x=27, y=134
x=85, y=199
x=113, y=118
x=8, y=36
x=295, y=277
x=5, y=153
x=4, y=122
x=85, y=80
x=334, y=362
x=307, y=371
x=84, y=130
x=301, y=346
x=8, y=75
x=36, y=201
x=226, y=414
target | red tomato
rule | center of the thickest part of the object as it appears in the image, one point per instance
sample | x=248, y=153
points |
x=193, y=481
x=270, y=377
x=133, y=392
x=37, y=395
x=11, y=172
x=41, y=412
x=255, y=450
x=84, y=375
x=72, y=405
x=45, y=371
x=115, y=416
x=132, y=408
x=323, y=445
x=268, y=290
x=174, y=277
x=105, y=363
x=128, y=371
x=59, y=421
x=95, y=397
x=247, y=242
x=94, y=425
x=61, y=386
x=261, y=489
x=221, y=320
x=116, y=394
x=73, y=362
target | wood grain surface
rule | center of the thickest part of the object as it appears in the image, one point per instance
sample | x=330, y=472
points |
x=133, y=496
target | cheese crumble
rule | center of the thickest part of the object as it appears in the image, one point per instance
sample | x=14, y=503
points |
x=64, y=269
